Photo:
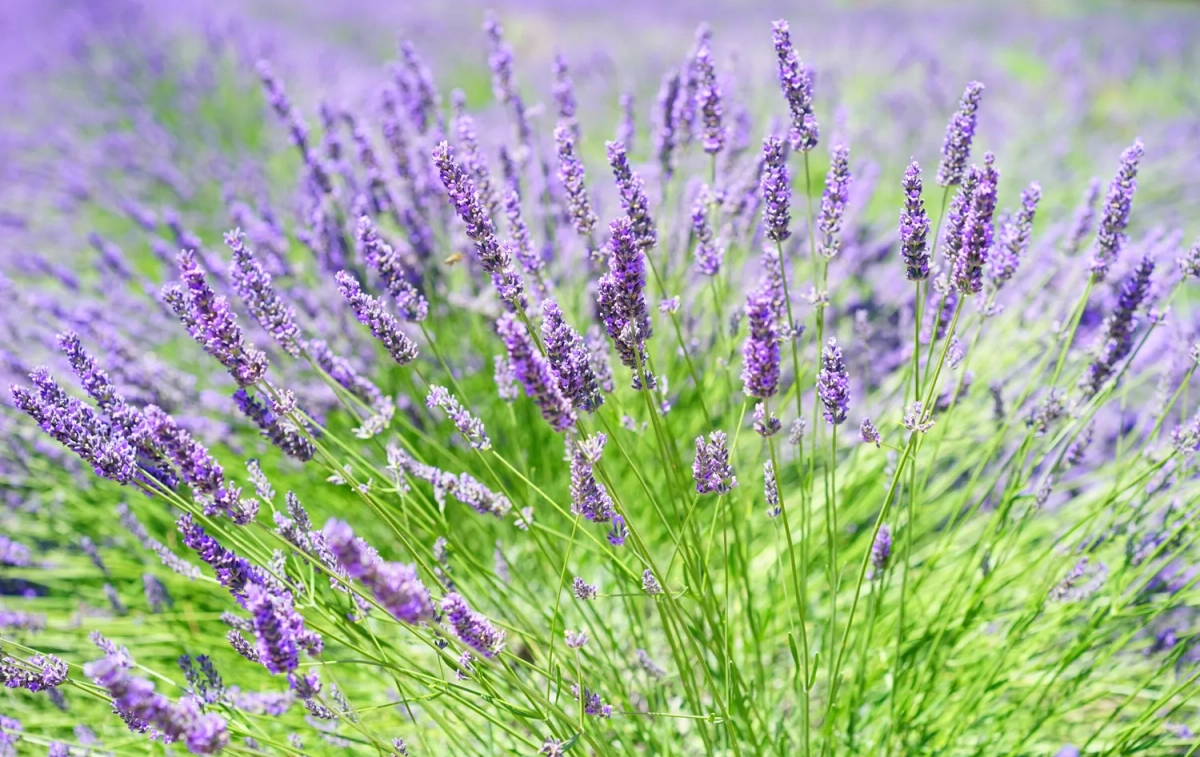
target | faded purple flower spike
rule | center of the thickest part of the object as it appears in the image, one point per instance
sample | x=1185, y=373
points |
x=633, y=196
x=868, y=433
x=1014, y=237
x=569, y=359
x=771, y=490
x=396, y=274
x=210, y=321
x=532, y=370
x=914, y=226
x=570, y=173
x=650, y=584
x=833, y=201
x=833, y=384
x=760, y=354
x=776, y=190
x=279, y=431
x=395, y=585
x=1189, y=262
x=708, y=100
x=977, y=231
x=468, y=425
x=500, y=60
x=881, y=550
x=589, y=497
x=956, y=149
x=472, y=161
x=1081, y=224
x=1117, y=340
x=765, y=424
x=622, y=296
x=495, y=258
x=1110, y=237
x=564, y=93
x=272, y=618
x=254, y=285
x=665, y=135
x=627, y=126
x=796, y=81
x=709, y=254
x=383, y=325
x=711, y=469
x=472, y=628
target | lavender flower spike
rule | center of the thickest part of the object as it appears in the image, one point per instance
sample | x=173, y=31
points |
x=257, y=290
x=471, y=627
x=1117, y=341
x=708, y=100
x=495, y=258
x=977, y=231
x=622, y=295
x=633, y=196
x=210, y=321
x=589, y=497
x=960, y=131
x=468, y=425
x=776, y=190
x=914, y=226
x=534, y=373
x=569, y=359
x=1110, y=237
x=760, y=354
x=1014, y=237
x=39, y=673
x=383, y=325
x=396, y=274
x=570, y=173
x=395, y=585
x=666, y=132
x=709, y=254
x=711, y=469
x=833, y=384
x=796, y=81
x=833, y=201
x=881, y=550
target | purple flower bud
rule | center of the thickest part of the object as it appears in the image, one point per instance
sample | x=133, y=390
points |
x=281, y=432
x=651, y=586
x=956, y=148
x=589, y=497
x=868, y=433
x=1081, y=224
x=914, y=226
x=500, y=60
x=1110, y=238
x=39, y=673
x=1014, y=237
x=468, y=425
x=395, y=585
x=398, y=277
x=881, y=550
x=1117, y=340
x=709, y=255
x=833, y=384
x=534, y=373
x=708, y=100
x=622, y=295
x=618, y=533
x=254, y=285
x=665, y=136
x=584, y=590
x=627, y=126
x=765, y=424
x=564, y=92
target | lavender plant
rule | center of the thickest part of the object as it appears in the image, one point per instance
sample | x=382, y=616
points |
x=368, y=479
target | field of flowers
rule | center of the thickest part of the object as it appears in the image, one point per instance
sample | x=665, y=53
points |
x=735, y=378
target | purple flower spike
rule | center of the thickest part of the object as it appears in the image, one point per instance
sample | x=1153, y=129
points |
x=395, y=585
x=618, y=533
x=709, y=254
x=760, y=354
x=495, y=258
x=977, y=231
x=833, y=201
x=40, y=673
x=956, y=149
x=914, y=226
x=666, y=134
x=622, y=295
x=589, y=497
x=881, y=551
x=472, y=628
x=708, y=100
x=383, y=325
x=271, y=615
x=633, y=196
x=468, y=425
x=257, y=290
x=1110, y=237
x=279, y=431
x=564, y=92
x=569, y=359
x=796, y=81
x=570, y=173
x=1014, y=237
x=534, y=373
x=711, y=469
x=868, y=433
x=1117, y=340
x=833, y=384
x=398, y=277
x=211, y=322
x=776, y=190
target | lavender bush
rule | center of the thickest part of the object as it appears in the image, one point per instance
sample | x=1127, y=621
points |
x=461, y=415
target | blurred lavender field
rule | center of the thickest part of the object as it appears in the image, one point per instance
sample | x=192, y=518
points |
x=942, y=498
